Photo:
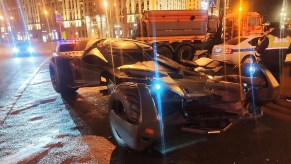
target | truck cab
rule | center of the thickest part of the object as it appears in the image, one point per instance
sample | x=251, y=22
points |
x=245, y=24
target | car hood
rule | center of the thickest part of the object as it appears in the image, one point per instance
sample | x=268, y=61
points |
x=187, y=86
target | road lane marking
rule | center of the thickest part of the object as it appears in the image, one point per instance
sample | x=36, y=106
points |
x=4, y=112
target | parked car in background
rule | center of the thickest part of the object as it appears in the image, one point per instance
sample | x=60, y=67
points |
x=23, y=48
x=236, y=50
x=65, y=46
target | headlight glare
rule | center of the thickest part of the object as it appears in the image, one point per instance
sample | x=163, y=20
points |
x=252, y=70
x=15, y=49
x=30, y=49
x=249, y=70
x=157, y=86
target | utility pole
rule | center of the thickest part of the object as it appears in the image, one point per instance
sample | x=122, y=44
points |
x=139, y=17
x=124, y=13
x=227, y=6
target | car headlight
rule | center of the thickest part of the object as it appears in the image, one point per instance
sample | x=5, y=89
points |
x=15, y=49
x=30, y=49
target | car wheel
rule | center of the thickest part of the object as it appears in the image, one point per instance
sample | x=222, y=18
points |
x=126, y=105
x=60, y=82
x=254, y=109
x=129, y=97
x=248, y=59
x=54, y=78
x=185, y=52
x=119, y=110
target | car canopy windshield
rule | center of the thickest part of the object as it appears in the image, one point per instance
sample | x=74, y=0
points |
x=67, y=47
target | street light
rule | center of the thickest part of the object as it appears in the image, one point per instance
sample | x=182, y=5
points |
x=105, y=4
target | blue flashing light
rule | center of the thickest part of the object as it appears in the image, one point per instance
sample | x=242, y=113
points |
x=157, y=86
x=67, y=41
x=15, y=50
x=252, y=70
x=30, y=49
x=249, y=70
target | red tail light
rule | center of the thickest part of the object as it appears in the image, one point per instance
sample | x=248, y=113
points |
x=228, y=51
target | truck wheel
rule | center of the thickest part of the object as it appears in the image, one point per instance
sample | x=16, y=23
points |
x=248, y=59
x=165, y=51
x=126, y=104
x=60, y=81
x=185, y=52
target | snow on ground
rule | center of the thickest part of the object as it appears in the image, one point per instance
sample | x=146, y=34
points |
x=44, y=128
x=6, y=110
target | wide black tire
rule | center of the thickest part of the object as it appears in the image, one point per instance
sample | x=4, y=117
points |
x=125, y=102
x=60, y=78
x=54, y=78
x=185, y=52
x=129, y=97
x=165, y=51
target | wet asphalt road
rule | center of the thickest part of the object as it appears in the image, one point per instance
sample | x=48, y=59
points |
x=41, y=127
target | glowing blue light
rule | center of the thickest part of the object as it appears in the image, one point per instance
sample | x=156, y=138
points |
x=15, y=50
x=158, y=86
x=252, y=70
x=30, y=49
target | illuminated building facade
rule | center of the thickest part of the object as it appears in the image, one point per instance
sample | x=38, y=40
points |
x=36, y=19
x=80, y=18
x=10, y=21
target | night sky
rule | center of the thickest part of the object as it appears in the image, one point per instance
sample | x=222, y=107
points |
x=270, y=9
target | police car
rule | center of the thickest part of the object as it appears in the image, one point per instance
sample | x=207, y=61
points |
x=236, y=50
x=65, y=46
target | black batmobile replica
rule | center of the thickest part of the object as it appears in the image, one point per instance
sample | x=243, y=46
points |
x=148, y=92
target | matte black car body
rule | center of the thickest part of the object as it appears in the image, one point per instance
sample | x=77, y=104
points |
x=149, y=92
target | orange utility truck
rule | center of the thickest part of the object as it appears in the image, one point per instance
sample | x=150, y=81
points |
x=175, y=33
x=248, y=23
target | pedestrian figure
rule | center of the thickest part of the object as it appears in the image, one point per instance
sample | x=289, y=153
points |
x=272, y=51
